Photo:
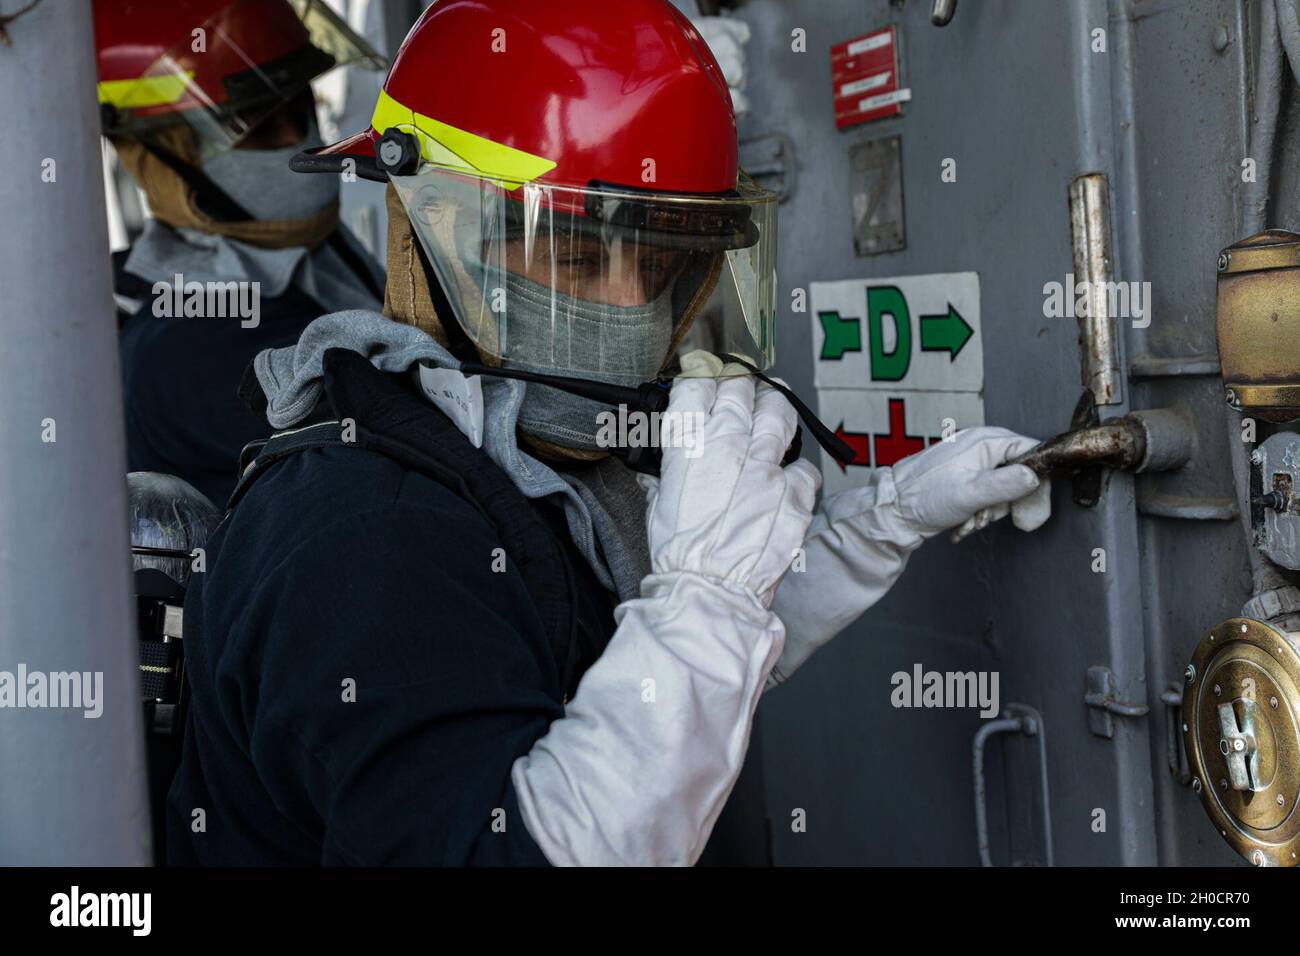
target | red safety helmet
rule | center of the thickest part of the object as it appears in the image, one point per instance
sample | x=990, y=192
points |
x=593, y=87
x=569, y=166
x=220, y=65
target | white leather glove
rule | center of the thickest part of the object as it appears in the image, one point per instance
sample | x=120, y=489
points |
x=649, y=748
x=732, y=515
x=860, y=539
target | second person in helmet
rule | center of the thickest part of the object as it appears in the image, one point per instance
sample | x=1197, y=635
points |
x=205, y=102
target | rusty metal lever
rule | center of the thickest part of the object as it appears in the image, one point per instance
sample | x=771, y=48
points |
x=1156, y=439
x=1119, y=443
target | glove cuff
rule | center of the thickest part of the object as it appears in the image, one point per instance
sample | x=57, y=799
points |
x=667, y=585
x=876, y=509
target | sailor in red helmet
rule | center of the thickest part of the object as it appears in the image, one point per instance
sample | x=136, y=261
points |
x=206, y=101
x=455, y=614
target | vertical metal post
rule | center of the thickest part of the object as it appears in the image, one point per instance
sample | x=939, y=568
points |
x=1098, y=337
x=1108, y=248
x=72, y=786
x=941, y=12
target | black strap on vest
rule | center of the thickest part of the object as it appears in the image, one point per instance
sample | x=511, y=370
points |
x=374, y=412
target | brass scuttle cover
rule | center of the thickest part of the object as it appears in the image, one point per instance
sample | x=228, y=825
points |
x=1258, y=318
x=1241, y=730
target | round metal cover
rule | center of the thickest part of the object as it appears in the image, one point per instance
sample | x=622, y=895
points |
x=1241, y=729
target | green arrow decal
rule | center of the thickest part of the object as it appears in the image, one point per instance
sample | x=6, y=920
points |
x=842, y=335
x=945, y=333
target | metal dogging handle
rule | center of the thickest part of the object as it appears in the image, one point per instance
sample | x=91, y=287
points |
x=1156, y=439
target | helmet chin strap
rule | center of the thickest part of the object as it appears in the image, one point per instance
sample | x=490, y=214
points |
x=652, y=398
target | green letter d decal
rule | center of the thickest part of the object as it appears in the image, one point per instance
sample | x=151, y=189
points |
x=891, y=366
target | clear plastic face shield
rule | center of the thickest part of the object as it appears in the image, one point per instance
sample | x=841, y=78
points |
x=601, y=283
x=232, y=72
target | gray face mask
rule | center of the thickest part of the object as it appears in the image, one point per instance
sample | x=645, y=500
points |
x=623, y=345
x=260, y=180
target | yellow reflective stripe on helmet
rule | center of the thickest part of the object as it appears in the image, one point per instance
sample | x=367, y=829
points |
x=145, y=91
x=445, y=145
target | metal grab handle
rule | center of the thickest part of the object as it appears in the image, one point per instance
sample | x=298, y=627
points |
x=1017, y=718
